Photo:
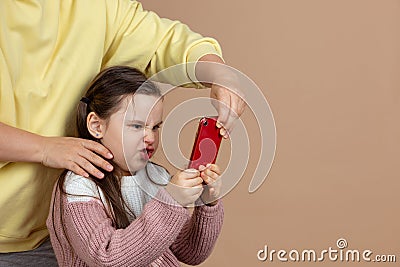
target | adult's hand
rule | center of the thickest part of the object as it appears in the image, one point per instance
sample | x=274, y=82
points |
x=78, y=155
x=81, y=156
x=230, y=106
x=229, y=100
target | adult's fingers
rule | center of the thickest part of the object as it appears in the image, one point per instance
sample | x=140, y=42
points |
x=221, y=101
x=98, y=148
x=230, y=121
x=76, y=169
x=238, y=104
x=229, y=104
x=88, y=167
x=223, y=113
x=96, y=160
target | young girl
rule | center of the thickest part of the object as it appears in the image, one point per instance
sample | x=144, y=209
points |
x=136, y=215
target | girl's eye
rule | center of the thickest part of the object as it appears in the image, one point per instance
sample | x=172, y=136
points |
x=155, y=128
x=137, y=126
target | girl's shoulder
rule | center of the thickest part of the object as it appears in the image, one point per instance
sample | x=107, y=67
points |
x=79, y=188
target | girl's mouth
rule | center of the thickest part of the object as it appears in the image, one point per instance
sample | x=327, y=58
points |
x=147, y=153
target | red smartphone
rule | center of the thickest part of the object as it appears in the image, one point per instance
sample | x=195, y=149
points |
x=206, y=145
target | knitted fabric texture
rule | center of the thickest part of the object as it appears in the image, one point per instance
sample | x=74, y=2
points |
x=163, y=234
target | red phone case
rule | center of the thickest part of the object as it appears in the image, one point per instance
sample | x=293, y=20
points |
x=206, y=145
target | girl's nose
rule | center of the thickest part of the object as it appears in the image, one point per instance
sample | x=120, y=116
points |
x=149, y=136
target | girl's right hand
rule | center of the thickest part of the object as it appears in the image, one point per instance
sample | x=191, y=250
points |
x=78, y=155
x=185, y=187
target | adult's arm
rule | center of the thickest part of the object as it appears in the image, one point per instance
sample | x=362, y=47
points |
x=168, y=51
x=225, y=89
x=142, y=39
x=77, y=155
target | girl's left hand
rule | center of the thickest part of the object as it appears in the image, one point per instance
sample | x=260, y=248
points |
x=211, y=176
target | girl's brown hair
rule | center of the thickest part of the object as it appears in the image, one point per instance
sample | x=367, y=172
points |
x=103, y=96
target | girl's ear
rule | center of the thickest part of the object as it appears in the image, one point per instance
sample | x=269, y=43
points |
x=96, y=126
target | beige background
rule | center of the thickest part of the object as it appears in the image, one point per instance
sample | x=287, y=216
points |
x=330, y=71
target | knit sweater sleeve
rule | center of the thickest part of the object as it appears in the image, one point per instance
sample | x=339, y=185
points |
x=197, y=239
x=98, y=243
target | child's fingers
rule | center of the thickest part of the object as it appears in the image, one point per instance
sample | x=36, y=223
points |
x=216, y=191
x=215, y=168
x=194, y=193
x=202, y=168
x=198, y=194
x=211, y=174
x=190, y=173
x=194, y=182
x=208, y=179
x=212, y=191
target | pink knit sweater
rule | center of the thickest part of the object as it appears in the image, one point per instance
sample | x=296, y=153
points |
x=162, y=235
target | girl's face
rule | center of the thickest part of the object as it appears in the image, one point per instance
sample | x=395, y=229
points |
x=132, y=133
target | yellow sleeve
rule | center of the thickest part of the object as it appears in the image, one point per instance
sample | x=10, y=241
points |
x=152, y=44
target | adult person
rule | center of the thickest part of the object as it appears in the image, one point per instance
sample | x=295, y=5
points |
x=50, y=50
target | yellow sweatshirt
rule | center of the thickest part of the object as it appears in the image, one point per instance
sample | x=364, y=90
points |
x=49, y=51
